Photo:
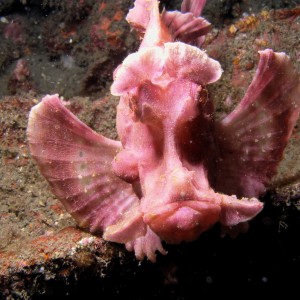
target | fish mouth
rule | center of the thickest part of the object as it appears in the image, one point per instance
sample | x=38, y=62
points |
x=182, y=221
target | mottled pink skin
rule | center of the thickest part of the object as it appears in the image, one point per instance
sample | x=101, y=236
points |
x=192, y=6
x=176, y=171
x=166, y=126
x=186, y=26
x=259, y=128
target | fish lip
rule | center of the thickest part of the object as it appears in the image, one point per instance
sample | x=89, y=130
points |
x=182, y=221
x=165, y=208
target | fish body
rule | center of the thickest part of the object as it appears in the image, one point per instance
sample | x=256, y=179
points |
x=176, y=171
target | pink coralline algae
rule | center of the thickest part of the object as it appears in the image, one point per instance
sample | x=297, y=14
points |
x=13, y=31
x=175, y=171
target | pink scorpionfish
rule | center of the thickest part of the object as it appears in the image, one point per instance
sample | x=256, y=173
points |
x=175, y=171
